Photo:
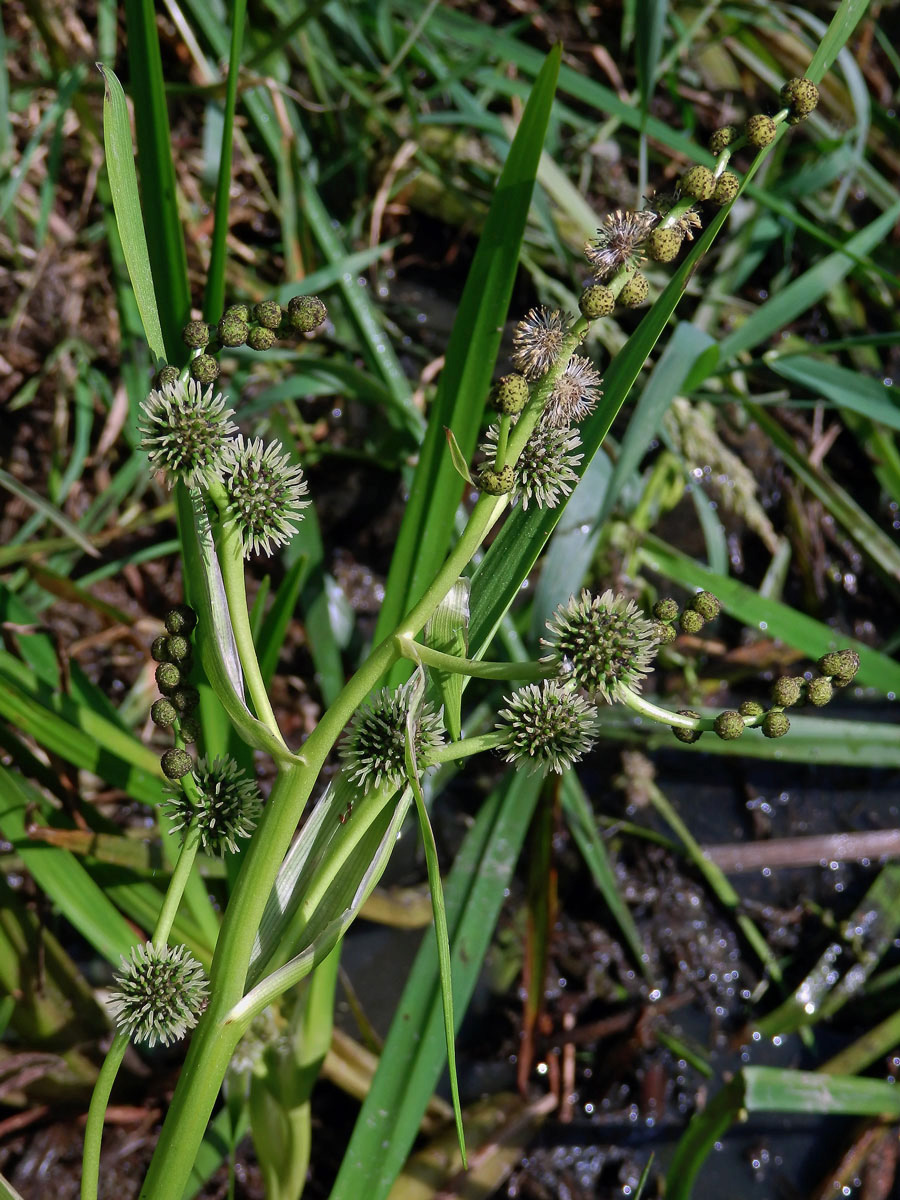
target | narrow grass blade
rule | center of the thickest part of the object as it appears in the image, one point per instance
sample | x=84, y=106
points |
x=413, y=1055
x=770, y=1089
x=127, y=205
x=158, y=186
x=844, y=21
x=471, y=353
x=583, y=827
x=438, y=907
x=214, y=300
x=801, y=293
x=883, y=552
x=48, y=510
x=775, y=619
x=61, y=877
x=873, y=398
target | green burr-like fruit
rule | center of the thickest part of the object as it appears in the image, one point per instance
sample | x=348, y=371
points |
x=801, y=96
x=260, y=338
x=204, y=368
x=664, y=243
x=729, y=725
x=691, y=621
x=306, y=313
x=176, y=764
x=775, y=724
x=698, y=182
x=268, y=313
x=787, y=690
x=689, y=736
x=596, y=301
x=181, y=619
x=163, y=713
x=496, y=483
x=168, y=677
x=760, y=131
x=727, y=188
x=722, y=138
x=195, y=334
x=510, y=394
x=635, y=291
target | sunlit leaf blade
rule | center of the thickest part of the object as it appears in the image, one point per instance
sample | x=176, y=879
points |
x=847, y=389
x=127, y=205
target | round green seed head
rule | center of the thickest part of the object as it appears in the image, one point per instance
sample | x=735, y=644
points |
x=698, y=182
x=635, y=291
x=163, y=713
x=787, y=690
x=666, y=609
x=727, y=188
x=760, y=131
x=166, y=376
x=707, y=605
x=176, y=764
x=168, y=677
x=840, y=665
x=729, y=725
x=260, y=338
x=819, y=691
x=722, y=137
x=664, y=633
x=185, y=698
x=189, y=728
x=237, y=312
x=510, y=394
x=691, y=621
x=233, y=331
x=159, y=650
x=179, y=649
x=801, y=96
x=751, y=708
x=195, y=334
x=204, y=368
x=775, y=724
x=663, y=244
x=688, y=736
x=268, y=313
x=181, y=619
x=596, y=301
x=496, y=483
x=306, y=313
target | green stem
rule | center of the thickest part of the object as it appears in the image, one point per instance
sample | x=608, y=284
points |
x=93, y=1136
x=473, y=667
x=214, y=1040
x=231, y=559
x=466, y=747
x=502, y=440
x=93, y=1130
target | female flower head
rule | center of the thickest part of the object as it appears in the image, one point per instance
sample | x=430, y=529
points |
x=265, y=493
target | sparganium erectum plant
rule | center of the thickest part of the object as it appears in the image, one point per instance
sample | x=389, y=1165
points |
x=295, y=893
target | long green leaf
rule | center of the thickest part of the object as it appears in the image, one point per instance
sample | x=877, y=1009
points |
x=168, y=256
x=436, y=490
x=413, y=1055
x=873, y=398
x=126, y=202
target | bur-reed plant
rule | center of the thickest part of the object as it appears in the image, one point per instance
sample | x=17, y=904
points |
x=401, y=718
x=296, y=893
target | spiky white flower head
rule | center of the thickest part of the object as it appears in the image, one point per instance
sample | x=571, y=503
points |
x=618, y=240
x=264, y=494
x=185, y=430
x=601, y=643
x=537, y=341
x=373, y=749
x=575, y=393
x=159, y=994
x=546, y=468
x=547, y=726
x=228, y=807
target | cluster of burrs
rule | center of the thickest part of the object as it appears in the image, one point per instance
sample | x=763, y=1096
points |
x=176, y=707
x=258, y=327
x=564, y=386
x=188, y=433
x=627, y=239
x=217, y=793
x=836, y=670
